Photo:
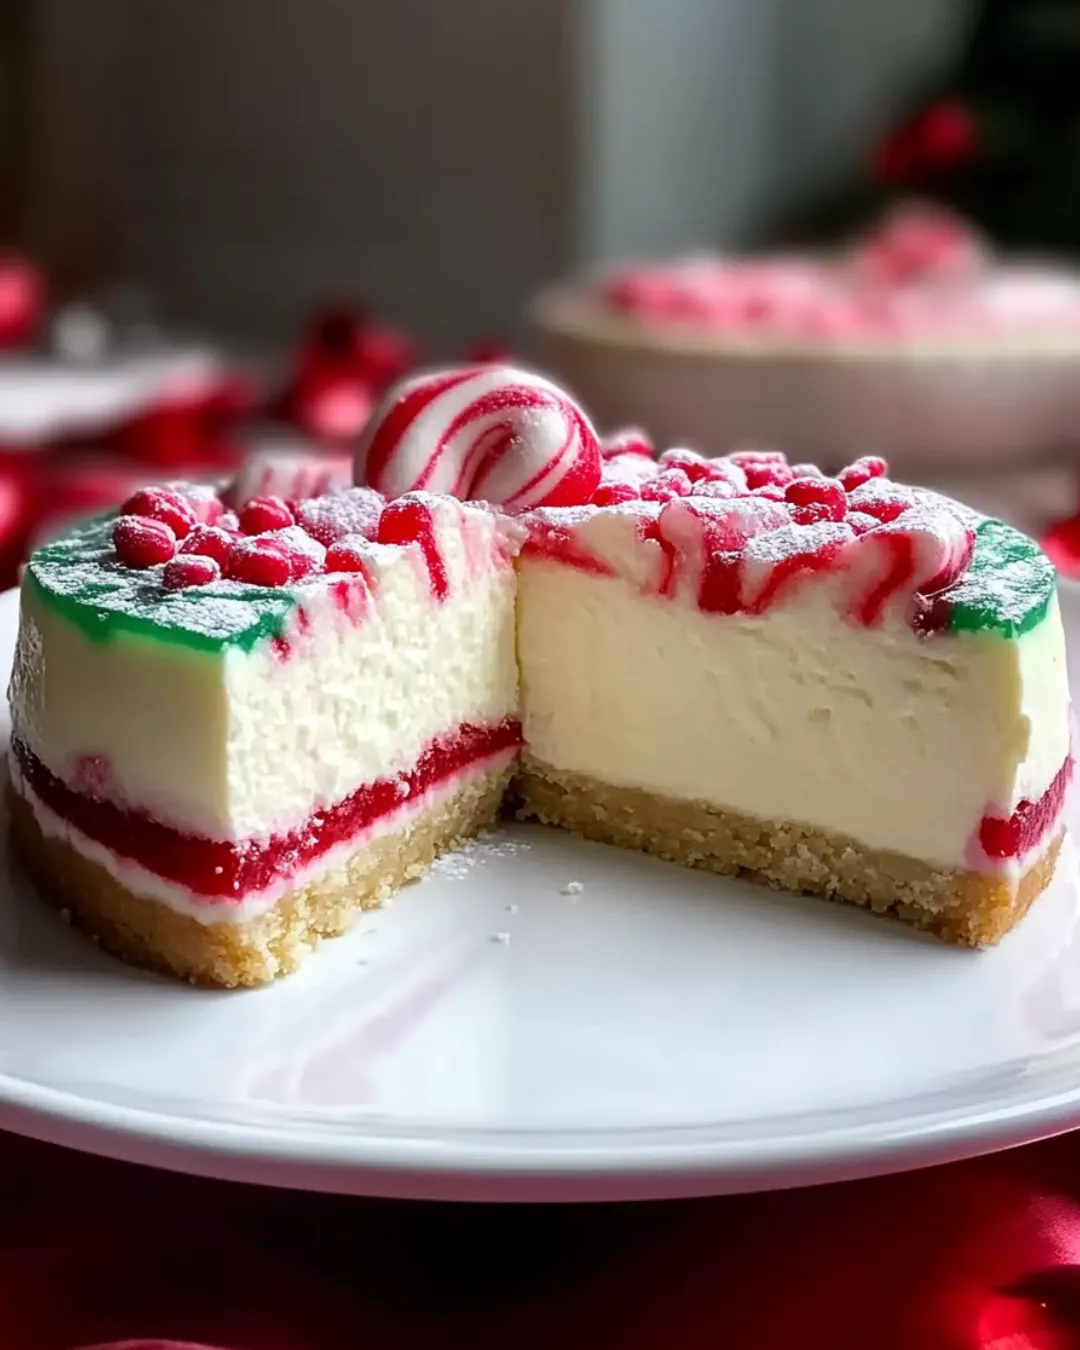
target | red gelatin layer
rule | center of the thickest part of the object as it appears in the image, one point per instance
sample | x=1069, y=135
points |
x=224, y=870
x=1027, y=827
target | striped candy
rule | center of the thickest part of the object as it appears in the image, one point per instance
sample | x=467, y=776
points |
x=481, y=433
x=292, y=474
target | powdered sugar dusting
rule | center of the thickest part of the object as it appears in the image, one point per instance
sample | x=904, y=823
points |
x=475, y=853
x=738, y=532
x=733, y=533
x=103, y=595
x=353, y=510
x=297, y=540
x=104, y=590
x=1008, y=586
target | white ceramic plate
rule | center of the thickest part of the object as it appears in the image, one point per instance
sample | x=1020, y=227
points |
x=491, y=1036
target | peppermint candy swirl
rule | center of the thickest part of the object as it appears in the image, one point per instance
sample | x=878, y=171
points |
x=482, y=433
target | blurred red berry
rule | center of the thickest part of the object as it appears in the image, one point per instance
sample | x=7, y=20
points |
x=21, y=301
x=490, y=351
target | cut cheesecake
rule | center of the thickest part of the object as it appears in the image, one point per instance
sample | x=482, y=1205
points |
x=212, y=778
x=233, y=733
x=911, y=771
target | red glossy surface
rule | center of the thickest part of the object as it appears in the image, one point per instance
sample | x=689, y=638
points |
x=1029, y=824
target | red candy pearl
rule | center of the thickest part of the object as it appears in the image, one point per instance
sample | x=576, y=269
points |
x=763, y=467
x=403, y=522
x=301, y=562
x=190, y=569
x=861, y=522
x=816, y=499
x=719, y=487
x=209, y=541
x=695, y=466
x=210, y=510
x=869, y=466
x=407, y=521
x=171, y=508
x=885, y=509
x=671, y=483
x=207, y=505
x=629, y=441
x=611, y=494
x=745, y=457
x=347, y=554
x=259, y=562
x=265, y=513
x=141, y=541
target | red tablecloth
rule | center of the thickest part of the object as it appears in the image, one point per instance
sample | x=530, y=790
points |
x=983, y=1254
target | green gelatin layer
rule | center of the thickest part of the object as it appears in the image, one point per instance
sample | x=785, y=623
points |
x=1008, y=587
x=81, y=578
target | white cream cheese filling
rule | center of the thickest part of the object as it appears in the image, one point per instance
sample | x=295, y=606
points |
x=899, y=742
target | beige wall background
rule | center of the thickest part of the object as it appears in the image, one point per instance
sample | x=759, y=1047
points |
x=246, y=158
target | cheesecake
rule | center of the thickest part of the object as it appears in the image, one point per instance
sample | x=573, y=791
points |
x=212, y=772
x=238, y=721
x=871, y=709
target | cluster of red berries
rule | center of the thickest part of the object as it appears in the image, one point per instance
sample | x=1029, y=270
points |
x=809, y=495
x=199, y=541
x=267, y=543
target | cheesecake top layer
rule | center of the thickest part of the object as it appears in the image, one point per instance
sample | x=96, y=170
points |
x=734, y=534
x=236, y=583
x=80, y=575
x=990, y=578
